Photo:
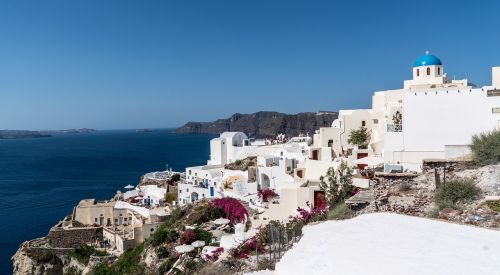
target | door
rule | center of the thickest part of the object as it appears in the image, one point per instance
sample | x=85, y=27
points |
x=299, y=173
x=212, y=192
x=319, y=198
x=360, y=156
x=315, y=154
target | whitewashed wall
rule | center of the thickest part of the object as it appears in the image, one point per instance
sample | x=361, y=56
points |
x=434, y=119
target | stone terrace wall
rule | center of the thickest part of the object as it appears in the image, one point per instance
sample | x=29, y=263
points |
x=73, y=237
x=451, y=165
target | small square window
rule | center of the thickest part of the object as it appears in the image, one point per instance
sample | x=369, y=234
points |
x=363, y=123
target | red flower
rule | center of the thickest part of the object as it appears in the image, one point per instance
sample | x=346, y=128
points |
x=234, y=210
x=266, y=194
x=187, y=237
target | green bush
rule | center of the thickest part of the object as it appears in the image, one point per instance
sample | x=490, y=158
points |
x=170, y=197
x=486, y=148
x=163, y=235
x=128, y=263
x=72, y=270
x=191, y=266
x=167, y=265
x=203, y=235
x=162, y=252
x=454, y=192
x=494, y=205
x=340, y=212
x=83, y=253
x=359, y=137
x=204, y=212
x=166, y=231
x=434, y=213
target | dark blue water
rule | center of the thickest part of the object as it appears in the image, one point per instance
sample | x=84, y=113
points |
x=42, y=179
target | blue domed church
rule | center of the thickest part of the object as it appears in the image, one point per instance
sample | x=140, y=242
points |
x=428, y=72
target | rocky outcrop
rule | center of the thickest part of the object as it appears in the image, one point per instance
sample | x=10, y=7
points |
x=38, y=261
x=264, y=124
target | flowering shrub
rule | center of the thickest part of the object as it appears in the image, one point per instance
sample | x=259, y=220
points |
x=242, y=251
x=214, y=256
x=187, y=237
x=304, y=214
x=234, y=210
x=266, y=194
x=317, y=214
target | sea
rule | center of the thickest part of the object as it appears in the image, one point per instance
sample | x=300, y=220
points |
x=42, y=179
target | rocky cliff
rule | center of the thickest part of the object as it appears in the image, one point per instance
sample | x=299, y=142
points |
x=264, y=124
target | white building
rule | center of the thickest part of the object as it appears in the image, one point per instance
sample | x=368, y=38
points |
x=275, y=167
x=430, y=117
x=439, y=116
x=227, y=147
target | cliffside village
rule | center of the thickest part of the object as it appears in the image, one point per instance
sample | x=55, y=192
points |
x=431, y=119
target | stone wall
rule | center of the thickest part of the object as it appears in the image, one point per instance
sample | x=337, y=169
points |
x=451, y=165
x=73, y=237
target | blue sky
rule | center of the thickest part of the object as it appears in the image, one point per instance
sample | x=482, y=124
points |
x=132, y=64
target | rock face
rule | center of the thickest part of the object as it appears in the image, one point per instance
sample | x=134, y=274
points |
x=38, y=262
x=264, y=124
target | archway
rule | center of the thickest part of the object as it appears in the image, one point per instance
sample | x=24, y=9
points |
x=194, y=197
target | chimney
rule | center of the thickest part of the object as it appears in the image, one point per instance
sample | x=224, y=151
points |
x=495, y=77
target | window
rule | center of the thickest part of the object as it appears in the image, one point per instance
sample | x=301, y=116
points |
x=330, y=142
x=95, y=220
x=439, y=71
x=116, y=220
x=363, y=123
x=189, y=172
x=428, y=71
x=375, y=121
x=418, y=72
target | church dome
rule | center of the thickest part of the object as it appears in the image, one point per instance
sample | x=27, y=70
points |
x=427, y=60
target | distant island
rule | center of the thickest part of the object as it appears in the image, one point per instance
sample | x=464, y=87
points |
x=145, y=130
x=18, y=134
x=265, y=124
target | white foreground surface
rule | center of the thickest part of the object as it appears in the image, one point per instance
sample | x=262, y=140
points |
x=385, y=243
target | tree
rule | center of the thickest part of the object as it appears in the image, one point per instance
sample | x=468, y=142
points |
x=359, y=137
x=337, y=185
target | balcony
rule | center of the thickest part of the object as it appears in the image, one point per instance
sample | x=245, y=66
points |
x=394, y=128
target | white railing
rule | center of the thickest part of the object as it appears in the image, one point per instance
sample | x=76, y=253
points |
x=394, y=128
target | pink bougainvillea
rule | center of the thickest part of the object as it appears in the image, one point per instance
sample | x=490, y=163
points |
x=242, y=251
x=314, y=214
x=214, y=256
x=266, y=194
x=304, y=214
x=187, y=237
x=234, y=210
